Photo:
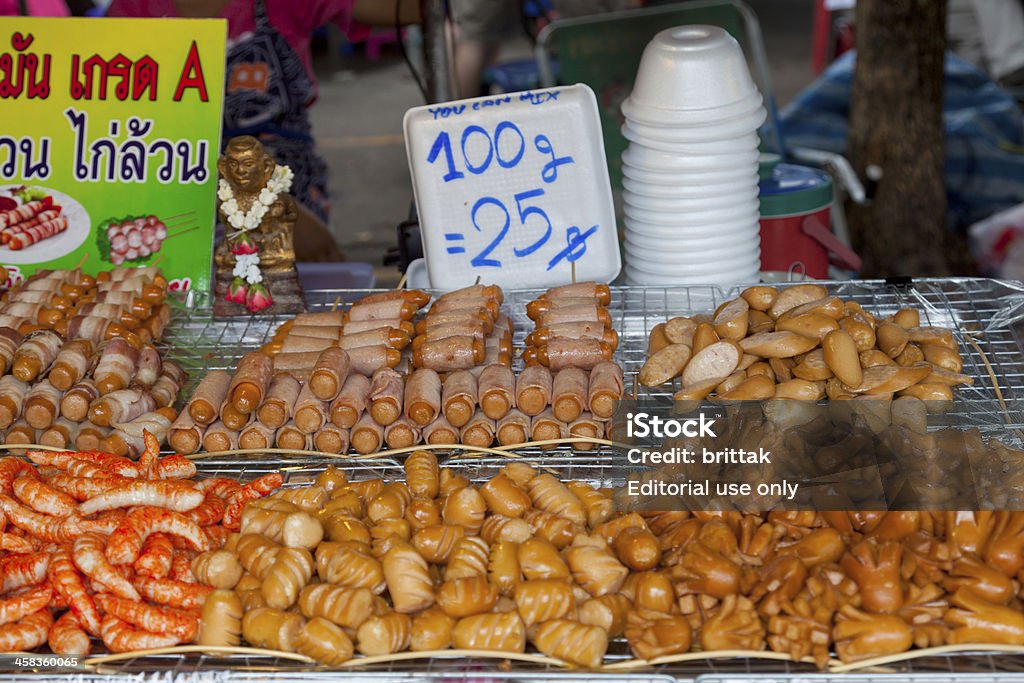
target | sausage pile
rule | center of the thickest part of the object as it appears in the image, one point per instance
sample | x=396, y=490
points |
x=27, y=224
x=125, y=302
x=434, y=562
x=801, y=343
x=373, y=377
x=104, y=544
x=570, y=382
x=88, y=389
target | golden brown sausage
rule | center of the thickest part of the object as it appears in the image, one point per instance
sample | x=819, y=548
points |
x=209, y=396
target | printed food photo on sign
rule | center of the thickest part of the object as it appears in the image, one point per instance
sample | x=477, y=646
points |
x=132, y=240
x=108, y=146
x=38, y=223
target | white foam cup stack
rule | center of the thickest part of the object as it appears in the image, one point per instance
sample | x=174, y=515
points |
x=690, y=171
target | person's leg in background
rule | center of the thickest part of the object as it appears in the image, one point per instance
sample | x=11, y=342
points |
x=480, y=26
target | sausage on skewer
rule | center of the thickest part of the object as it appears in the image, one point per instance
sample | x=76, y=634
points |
x=277, y=406
x=351, y=402
x=422, y=396
x=497, y=391
x=208, y=397
x=459, y=397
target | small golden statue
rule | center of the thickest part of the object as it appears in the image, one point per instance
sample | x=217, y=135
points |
x=259, y=220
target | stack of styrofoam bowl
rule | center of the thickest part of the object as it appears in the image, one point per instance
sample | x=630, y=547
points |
x=691, y=168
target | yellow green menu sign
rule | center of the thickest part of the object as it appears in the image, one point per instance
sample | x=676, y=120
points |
x=109, y=137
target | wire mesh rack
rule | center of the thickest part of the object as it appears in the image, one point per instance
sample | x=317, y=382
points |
x=984, y=312
x=984, y=315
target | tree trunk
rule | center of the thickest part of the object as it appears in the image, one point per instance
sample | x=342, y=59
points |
x=896, y=127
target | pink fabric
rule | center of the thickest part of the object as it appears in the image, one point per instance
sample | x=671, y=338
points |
x=294, y=19
x=36, y=8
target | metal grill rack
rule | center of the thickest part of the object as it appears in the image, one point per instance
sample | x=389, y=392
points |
x=984, y=310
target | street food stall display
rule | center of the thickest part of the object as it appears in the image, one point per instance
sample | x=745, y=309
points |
x=224, y=477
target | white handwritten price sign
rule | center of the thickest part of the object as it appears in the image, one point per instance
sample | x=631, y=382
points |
x=513, y=189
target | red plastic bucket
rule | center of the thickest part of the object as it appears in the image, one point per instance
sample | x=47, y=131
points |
x=795, y=235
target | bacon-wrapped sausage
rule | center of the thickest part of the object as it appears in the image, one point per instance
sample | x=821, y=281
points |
x=10, y=339
x=417, y=297
x=26, y=211
x=569, y=393
x=90, y=436
x=110, y=311
x=423, y=396
x=12, y=399
x=321, y=331
x=467, y=327
x=569, y=353
x=277, y=405
x=459, y=397
x=310, y=413
x=91, y=327
x=386, y=396
x=514, y=428
x=165, y=390
x=606, y=387
x=34, y=355
x=354, y=327
x=293, y=344
x=479, y=431
x=20, y=433
x=329, y=374
x=533, y=389
x=331, y=439
x=116, y=366
x=440, y=431
x=208, y=397
x=545, y=427
x=368, y=359
x=71, y=364
x=147, y=370
x=366, y=435
x=298, y=365
x=535, y=308
x=453, y=353
x=127, y=301
x=289, y=436
x=587, y=312
x=75, y=404
x=250, y=381
x=391, y=337
x=439, y=320
x=585, y=425
x=578, y=330
x=185, y=436
x=594, y=290
x=219, y=438
x=42, y=403
x=321, y=319
x=256, y=435
x=351, y=402
x=61, y=434
x=402, y=433
x=380, y=310
x=17, y=324
x=475, y=292
x=497, y=390
x=442, y=306
x=120, y=406
x=232, y=419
